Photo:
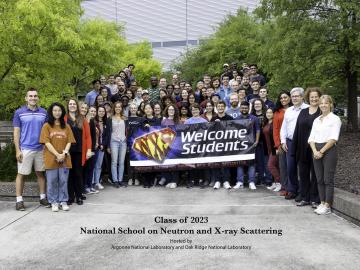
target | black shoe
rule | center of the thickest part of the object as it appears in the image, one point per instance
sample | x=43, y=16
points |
x=298, y=198
x=44, y=202
x=79, y=201
x=302, y=203
x=122, y=184
x=83, y=197
x=70, y=202
x=20, y=206
x=117, y=184
x=290, y=196
x=190, y=184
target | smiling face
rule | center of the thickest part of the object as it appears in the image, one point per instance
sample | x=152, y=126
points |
x=118, y=108
x=220, y=108
x=84, y=109
x=269, y=114
x=32, y=98
x=148, y=110
x=101, y=112
x=258, y=105
x=157, y=109
x=314, y=99
x=56, y=112
x=244, y=109
x=184, y=94
x=263, y=93
x=171, y=111
x=209, y=107
x=72, y=106
x=296, y=98
x=326, y=105
x=284, y=100
x=133, y=109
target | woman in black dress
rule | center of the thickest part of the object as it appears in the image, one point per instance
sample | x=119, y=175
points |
x=302, y=150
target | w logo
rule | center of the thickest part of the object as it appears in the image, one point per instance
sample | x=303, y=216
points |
x=155, y=145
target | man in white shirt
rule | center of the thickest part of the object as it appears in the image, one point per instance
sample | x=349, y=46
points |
x=286, y=136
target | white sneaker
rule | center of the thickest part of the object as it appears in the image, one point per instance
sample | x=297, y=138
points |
x=130, y=182
x=162, y=181
x=217, y=185
x=226, y=185
x=99, y=186
x=137, y=182
x=278, y=187
x=252, y=186
x=324, y=210
x=55, y=207
x=272, y=187
x=238, y=185
x=64, y=206
x=320, y=207
x=93, y=191
x=173, y=185
x=168, y=185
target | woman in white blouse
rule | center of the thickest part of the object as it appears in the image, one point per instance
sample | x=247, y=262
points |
x=323, y=137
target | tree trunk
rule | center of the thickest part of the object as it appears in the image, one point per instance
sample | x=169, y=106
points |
x=352, y=124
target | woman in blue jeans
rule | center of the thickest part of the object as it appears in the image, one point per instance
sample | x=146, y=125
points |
x=100, y=123
x=116, y=143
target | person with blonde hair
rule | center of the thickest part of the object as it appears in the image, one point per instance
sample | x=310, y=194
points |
x=323, y=138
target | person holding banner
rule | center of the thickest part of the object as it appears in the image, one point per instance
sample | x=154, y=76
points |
x=244, y=109
x=221, y=175
x=149, y=121
x=134, y=122
x=171, y=118
x=196, y=174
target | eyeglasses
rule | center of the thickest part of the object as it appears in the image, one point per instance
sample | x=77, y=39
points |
x=295, y=96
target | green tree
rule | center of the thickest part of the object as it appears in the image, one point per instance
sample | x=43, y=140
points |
x=46, y=44
x=314, y=43
x=237, y=39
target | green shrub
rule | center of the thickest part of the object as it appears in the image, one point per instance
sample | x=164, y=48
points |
x=8, y=166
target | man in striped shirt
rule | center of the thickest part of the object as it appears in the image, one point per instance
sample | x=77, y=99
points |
x=28, y=121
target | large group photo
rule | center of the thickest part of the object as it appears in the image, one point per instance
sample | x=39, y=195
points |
x=210, y=123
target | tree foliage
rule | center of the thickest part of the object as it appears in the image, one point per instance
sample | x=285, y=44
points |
x=295, y=43
x=46, y=44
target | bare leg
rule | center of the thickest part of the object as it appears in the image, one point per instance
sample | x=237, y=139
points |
x=41, y=181
x=19, y=184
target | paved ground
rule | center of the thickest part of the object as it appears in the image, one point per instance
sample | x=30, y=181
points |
x=40, y=239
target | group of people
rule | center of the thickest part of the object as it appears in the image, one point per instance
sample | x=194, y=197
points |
x=78, y=146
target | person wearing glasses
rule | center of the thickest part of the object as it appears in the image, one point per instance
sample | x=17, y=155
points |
x=286, y=137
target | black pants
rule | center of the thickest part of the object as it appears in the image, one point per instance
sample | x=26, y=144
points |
x=148, y=178
x=308, y=183
x=88, y=172
x=75, y=184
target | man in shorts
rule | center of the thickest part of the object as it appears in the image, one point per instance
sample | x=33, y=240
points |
x=28, y=121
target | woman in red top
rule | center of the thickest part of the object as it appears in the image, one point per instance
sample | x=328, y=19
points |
x=80, y=151
x=283, y=102
x=273, y=162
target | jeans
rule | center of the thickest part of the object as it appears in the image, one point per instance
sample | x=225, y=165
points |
x=99, y=157
x=118, y=152
x=293, y=183
x=251, y=173
x=57, y=185
x=264, y=176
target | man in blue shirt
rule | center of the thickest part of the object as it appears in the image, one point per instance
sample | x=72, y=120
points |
x=244, y=109
x=225, y=89
x=91, y=96
x=27, y=122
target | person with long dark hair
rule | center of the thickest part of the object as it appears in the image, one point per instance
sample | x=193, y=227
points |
x=302, y=151
x=100, y=123
x=283, y=102
x=149, y=121
x=135, y=122
x=89, y=114
x=57, y=137
x=116, y=144
x=80, y=151
x=261, y=153
x=273, y=162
